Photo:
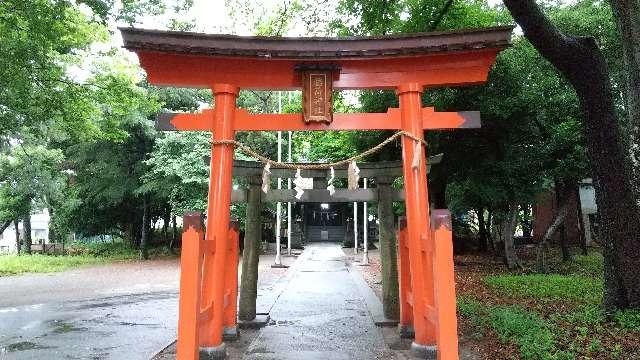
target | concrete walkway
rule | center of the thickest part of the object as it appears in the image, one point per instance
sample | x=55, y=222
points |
x=320, y=315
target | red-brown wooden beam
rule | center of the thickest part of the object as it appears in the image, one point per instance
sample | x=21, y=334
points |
x=432, y=120
x=437, y=70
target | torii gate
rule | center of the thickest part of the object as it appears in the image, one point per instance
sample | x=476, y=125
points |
x=405, y=63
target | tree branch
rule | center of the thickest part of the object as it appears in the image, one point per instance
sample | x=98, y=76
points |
x=441, y=15
x=545, y=37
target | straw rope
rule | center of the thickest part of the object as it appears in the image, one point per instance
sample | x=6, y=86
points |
x=293, y=166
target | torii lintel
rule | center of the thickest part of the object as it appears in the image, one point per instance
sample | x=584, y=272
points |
x=244, y=121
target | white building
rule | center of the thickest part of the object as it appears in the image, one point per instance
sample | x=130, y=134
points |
x=39, y=232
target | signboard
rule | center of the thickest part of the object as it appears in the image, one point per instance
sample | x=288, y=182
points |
x=316, y=96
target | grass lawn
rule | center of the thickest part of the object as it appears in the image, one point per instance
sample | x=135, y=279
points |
x=79, y=254
x=552, y=316
x=14, y=264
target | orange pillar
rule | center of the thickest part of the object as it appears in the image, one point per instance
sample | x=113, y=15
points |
x=218, y=215
x=231, y=282
x=404, y=282
x=444, y=284
x=190, y=284
x=418, y=228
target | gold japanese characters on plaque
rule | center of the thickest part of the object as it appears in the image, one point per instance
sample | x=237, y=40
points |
x=317, y=87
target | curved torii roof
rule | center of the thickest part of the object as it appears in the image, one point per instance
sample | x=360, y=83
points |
x=431, y=59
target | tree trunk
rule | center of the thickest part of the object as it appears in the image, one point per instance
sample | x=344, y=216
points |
x=582, y=230
x=541, y=256
x=17, y=230
x=251, y=252
x=26, y=229
x=527, y=221
x=388, y=252
x=562, y=190
x=144, y=236
x=627, y=16
x=490, y=236
x=52, y=229
x=174, y=232
x=582, y=63
x=482, y=231
x=508, y=228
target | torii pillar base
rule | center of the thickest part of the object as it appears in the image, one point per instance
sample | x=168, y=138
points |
x=429, y=352
x=214, y=353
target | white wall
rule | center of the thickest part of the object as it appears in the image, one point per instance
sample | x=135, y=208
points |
x=39, y=232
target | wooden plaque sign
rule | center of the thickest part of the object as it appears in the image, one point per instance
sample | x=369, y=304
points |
x=316, y=96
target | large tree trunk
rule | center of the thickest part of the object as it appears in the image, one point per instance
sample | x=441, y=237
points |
x=582, y=63
x=17, y=230
x=251, y=252
x=26, y=229
x=627, y=16
x=388, y=252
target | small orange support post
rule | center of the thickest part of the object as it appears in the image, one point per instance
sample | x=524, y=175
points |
x=231, y=280
x=444, y=283
x=404, y=282
x=190, y=286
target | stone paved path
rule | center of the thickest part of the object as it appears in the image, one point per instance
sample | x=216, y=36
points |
x=320, y=315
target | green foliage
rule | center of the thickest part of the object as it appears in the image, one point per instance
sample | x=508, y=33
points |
x=587, y=265
x=13, y=264
x=535, y=338
x=118, y=250
x=628, y=319
x=548, y=287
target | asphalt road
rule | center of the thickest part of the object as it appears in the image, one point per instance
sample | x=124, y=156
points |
x=116, y=311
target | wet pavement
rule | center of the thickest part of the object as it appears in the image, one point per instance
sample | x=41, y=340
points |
x=115, y=311
x=320, y=315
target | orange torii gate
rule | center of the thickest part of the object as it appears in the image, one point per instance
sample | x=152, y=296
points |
x=404, y=63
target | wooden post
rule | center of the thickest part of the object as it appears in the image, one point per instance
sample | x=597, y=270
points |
x=417, y=203
x=218, y=215
x=388, y=254
x=251, y=252
x=190, y=286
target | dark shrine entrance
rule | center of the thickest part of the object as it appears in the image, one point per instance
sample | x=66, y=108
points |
x=324, y=221
x=407, y=64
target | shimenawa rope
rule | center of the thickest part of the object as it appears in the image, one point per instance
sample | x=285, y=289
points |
x=293, y=166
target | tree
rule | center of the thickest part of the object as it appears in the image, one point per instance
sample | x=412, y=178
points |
x=579, y=59
x=627, y=14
